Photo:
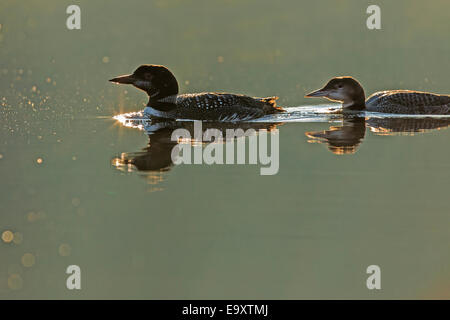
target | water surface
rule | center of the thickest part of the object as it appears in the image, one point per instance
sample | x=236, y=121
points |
x=221, y=231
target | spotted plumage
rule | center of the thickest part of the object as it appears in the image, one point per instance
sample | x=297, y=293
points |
x=223, y=106
x=408, y=102
x=348, y=91
x=165, y=102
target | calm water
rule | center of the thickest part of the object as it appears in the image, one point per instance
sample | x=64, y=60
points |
x=221, y=231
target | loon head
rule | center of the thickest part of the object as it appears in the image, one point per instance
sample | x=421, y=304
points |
x=346, y=90
x=156, y=80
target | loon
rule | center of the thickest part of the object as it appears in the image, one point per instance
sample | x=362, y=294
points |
x=348, y=91
x=165, y=102
x=344, y=139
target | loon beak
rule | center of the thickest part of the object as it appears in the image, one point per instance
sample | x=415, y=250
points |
x=318, y=93
x=127, y=79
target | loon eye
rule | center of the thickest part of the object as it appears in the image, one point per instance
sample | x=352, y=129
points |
x=339, y=86
x=148, y=76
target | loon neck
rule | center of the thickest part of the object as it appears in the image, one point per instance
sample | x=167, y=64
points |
x=167, y=103
x=358, y=105
x=356, y=100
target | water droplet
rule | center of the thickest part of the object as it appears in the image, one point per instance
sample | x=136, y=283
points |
x=28, y=260
x=64, y=250
x=76, y=202
x=39, y=160
x=7, y=236
x=31, y=216
x=105, y=59
x=15, y=282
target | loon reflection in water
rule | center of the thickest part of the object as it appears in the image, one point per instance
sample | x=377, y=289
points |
x=345, y=139
x=156, y=157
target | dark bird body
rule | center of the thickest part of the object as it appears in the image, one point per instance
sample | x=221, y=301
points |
x=408, y=102
x=165, y=102
x=348, y=91
x=217, y=107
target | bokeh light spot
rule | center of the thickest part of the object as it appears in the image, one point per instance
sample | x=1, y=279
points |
x=64, y=250
x=28, y=260
x=15, y=282
x=7, y=236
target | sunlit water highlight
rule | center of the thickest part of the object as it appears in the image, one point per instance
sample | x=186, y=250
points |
x=307, y=113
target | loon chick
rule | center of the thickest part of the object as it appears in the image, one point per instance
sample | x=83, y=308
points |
x=165, y=102
x=348, y=91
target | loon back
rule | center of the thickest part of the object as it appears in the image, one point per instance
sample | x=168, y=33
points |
x=408, y=102
x=223, y=106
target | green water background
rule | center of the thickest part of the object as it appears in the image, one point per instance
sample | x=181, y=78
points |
x=217, y=231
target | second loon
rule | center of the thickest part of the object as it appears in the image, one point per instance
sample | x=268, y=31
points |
x=348, y=91
x=165, y=102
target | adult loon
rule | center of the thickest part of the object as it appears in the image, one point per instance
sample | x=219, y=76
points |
x=348, y=91
x=165, y=102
